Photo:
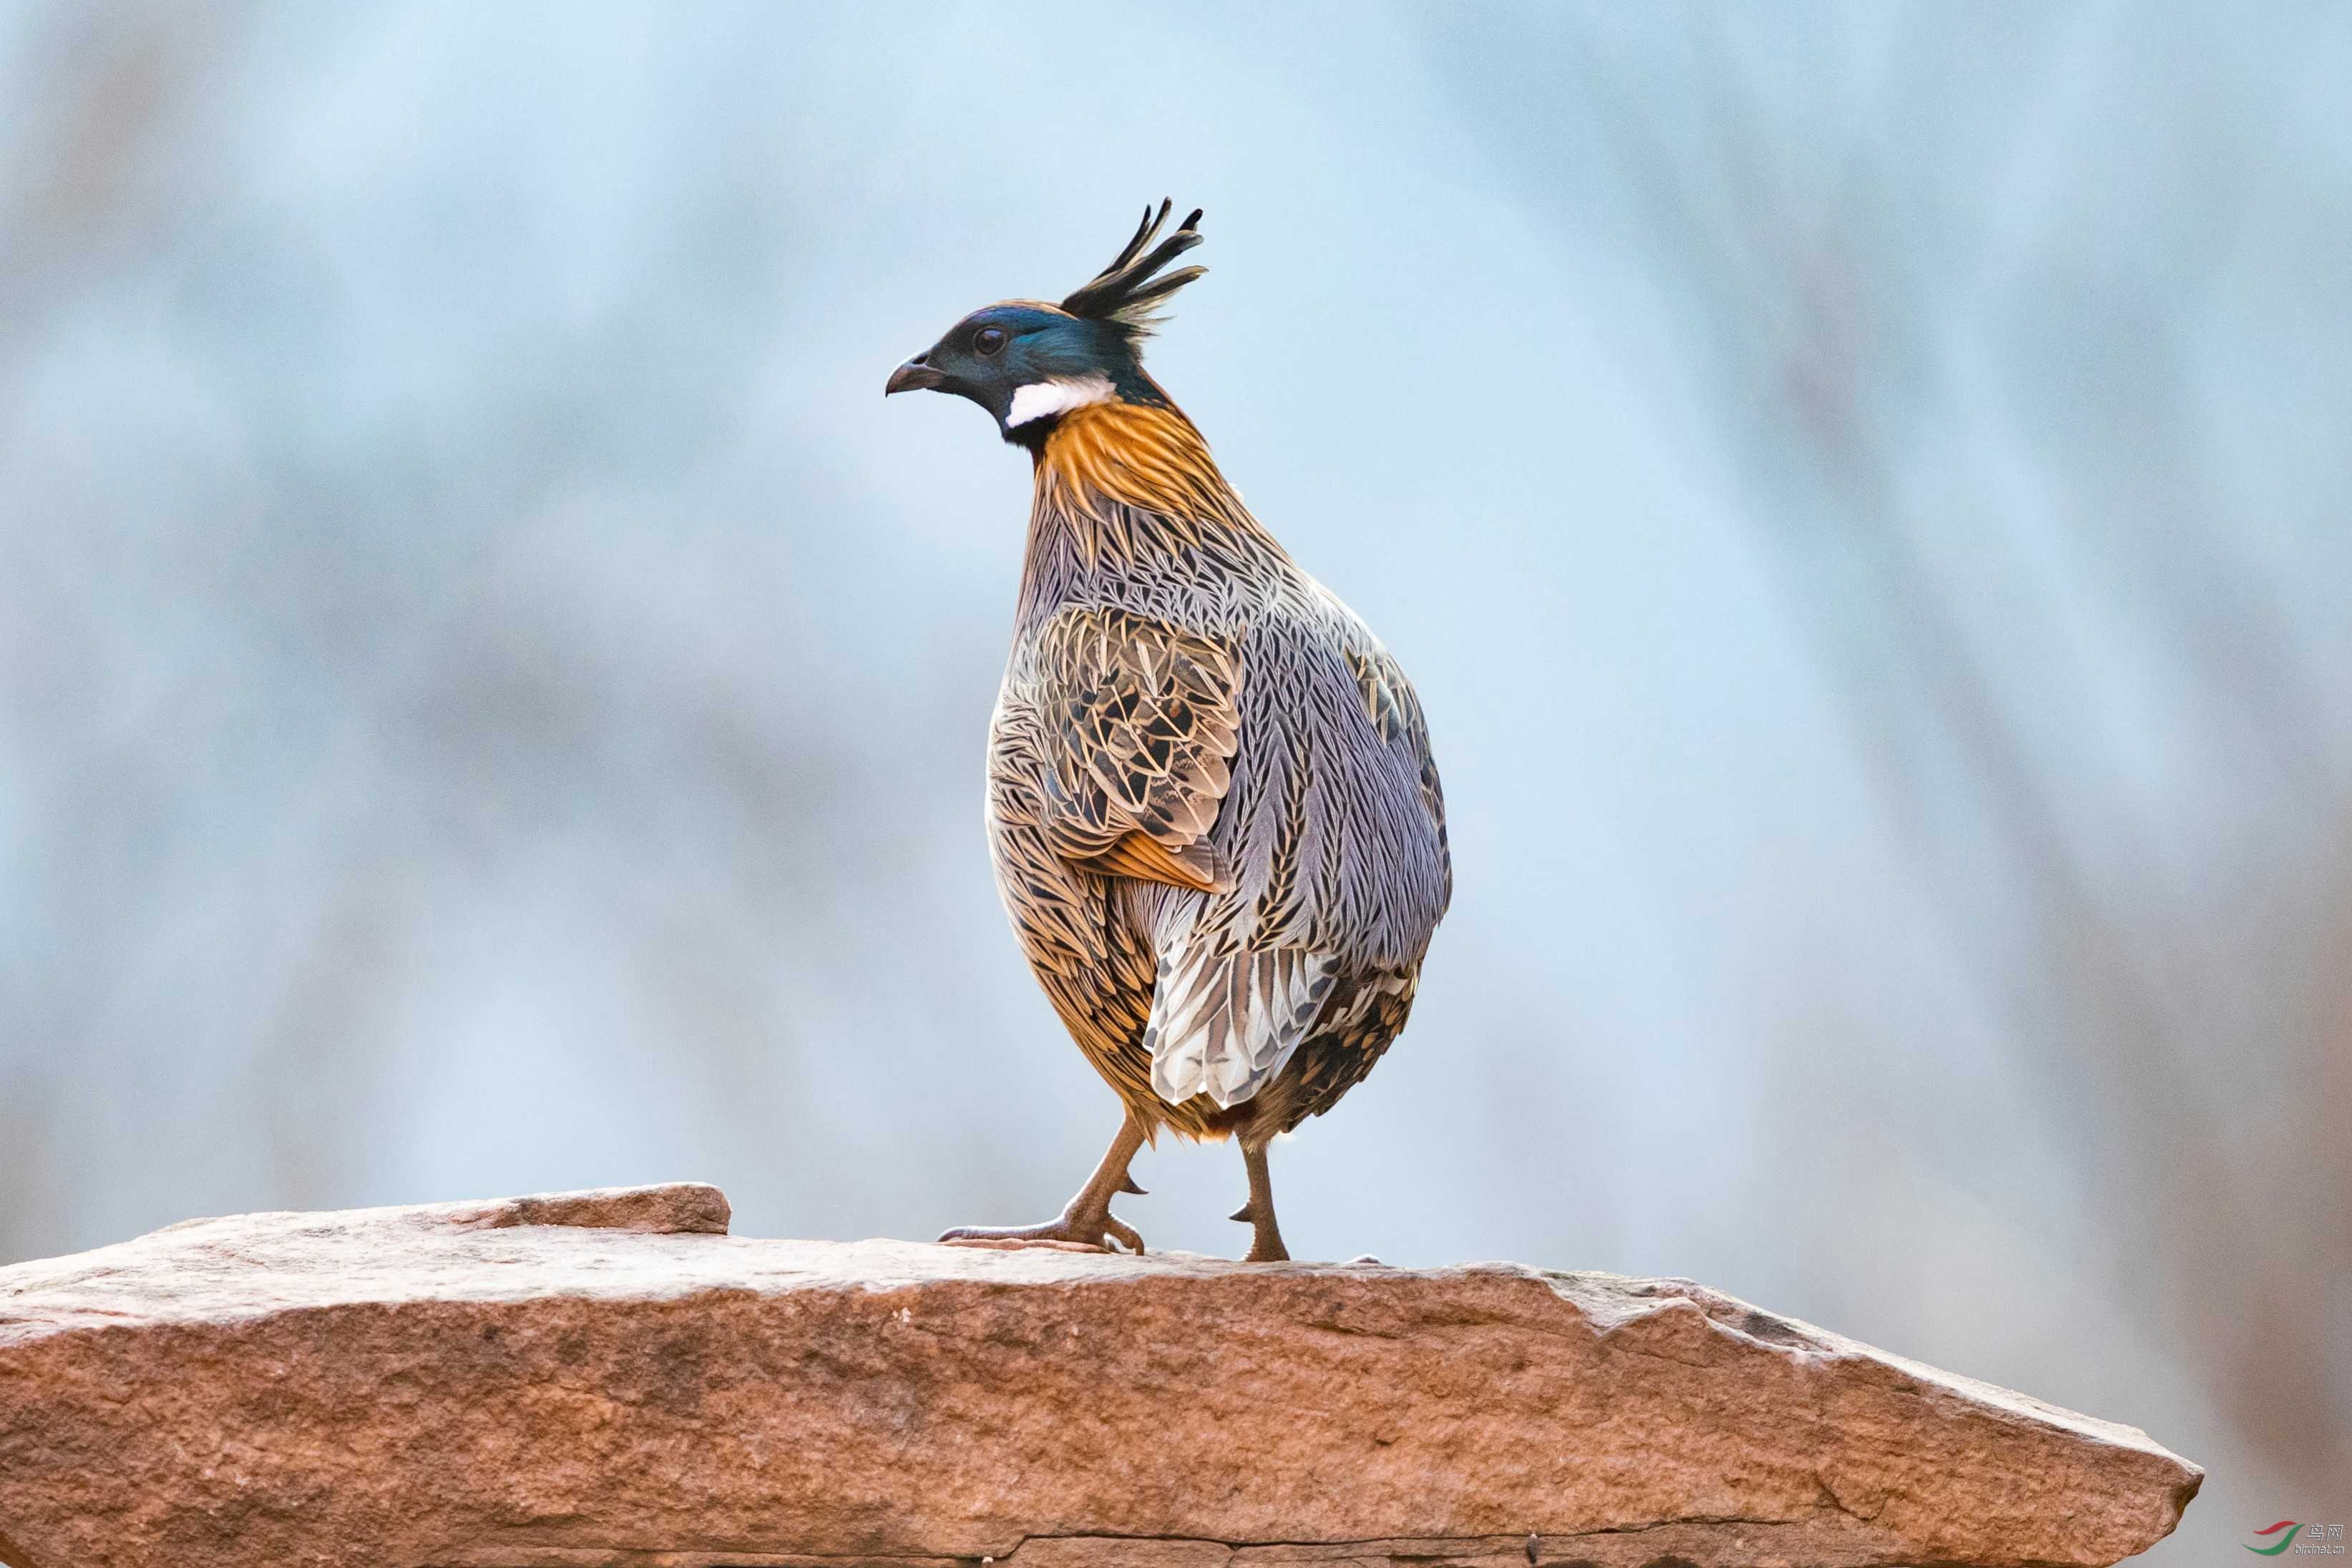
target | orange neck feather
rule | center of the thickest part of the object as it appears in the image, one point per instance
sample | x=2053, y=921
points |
x=1144, y=455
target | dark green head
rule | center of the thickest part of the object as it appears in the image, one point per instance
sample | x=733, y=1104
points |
x=1028, y=363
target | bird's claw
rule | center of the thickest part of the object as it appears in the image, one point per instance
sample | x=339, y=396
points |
x=1090, y=1233
x=1266, y=1242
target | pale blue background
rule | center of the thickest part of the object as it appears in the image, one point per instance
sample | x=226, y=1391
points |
x=491, y=698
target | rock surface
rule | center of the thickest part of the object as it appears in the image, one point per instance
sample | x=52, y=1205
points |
x=607, y=1378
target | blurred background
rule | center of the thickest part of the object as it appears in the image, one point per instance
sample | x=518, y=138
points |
x=491, y=699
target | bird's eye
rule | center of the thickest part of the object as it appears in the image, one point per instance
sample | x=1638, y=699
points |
x=988, y=339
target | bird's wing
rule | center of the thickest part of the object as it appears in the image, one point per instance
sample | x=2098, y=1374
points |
x=1143, y=720
x=1342, y=822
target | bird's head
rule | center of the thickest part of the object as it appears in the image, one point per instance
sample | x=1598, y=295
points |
x=1029, y=363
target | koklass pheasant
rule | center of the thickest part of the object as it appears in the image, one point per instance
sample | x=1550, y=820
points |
x=1211, y=802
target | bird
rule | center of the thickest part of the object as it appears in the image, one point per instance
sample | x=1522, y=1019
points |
x=1211, y=807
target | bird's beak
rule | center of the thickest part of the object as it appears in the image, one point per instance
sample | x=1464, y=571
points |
x=915, y=375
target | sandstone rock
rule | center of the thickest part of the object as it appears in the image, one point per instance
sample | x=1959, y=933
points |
x=606, y=1378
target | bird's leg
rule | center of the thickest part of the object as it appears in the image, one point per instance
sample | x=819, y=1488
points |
x=1087, y=1220
x=1265, y=1244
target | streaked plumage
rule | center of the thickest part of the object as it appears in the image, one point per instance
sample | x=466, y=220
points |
x=1211, y=805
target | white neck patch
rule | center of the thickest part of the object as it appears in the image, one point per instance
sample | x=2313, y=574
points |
x=1058, y=395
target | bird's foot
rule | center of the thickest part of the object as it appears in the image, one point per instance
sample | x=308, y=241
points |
x=1103, y=1232
x=1265, y=1241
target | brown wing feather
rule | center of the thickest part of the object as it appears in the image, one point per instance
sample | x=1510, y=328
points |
x=1146, y=858
x=1143, y=720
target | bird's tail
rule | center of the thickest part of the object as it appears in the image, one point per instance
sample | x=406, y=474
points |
x=1224, y=1018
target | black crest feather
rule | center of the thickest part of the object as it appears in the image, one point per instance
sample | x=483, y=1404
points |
x=1126, y=293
